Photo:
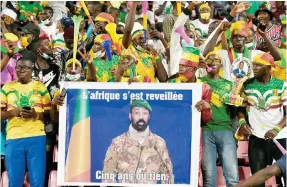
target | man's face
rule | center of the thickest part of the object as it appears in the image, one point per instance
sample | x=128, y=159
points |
x=185, y=69
x=139, y=118
x=259, y=70
x=214, y=62
x=94, y=9
x=45, y=47
x=115, y=13
x=78, y=69
x=139, y=40
x=45, y=14
x=263, y=17
x=238, y=40
x=241, y=65
x=250, y=36
x=69, y=43
x=100, y=27
x=24, y=70
x=97, y=47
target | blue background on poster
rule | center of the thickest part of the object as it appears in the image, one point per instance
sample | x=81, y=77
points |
x=171, y=120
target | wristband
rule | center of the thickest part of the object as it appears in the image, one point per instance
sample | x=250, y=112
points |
x=186, y=11
x=157, y=58
x=229, y=18
x=241, y=121
x=277, y=129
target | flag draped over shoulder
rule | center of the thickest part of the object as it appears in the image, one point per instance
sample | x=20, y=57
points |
x=78, y=163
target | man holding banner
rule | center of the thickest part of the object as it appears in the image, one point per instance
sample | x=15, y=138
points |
x=138, y=156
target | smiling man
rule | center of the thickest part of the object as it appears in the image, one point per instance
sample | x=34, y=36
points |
x=139, y=151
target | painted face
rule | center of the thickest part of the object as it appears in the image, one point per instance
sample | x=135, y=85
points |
x=214, y=62
x=139, y=118
x=7, y=19
x=24, y=70
x=238, y=39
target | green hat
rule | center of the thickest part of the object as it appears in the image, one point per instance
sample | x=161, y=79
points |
x=141, y=103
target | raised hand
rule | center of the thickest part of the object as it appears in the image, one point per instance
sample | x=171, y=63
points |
x=241, y=7
x=86, y=57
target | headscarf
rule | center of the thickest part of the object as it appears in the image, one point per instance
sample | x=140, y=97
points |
x=265, y=59
x=104, y=17
x=70, y=61
x=214, y=53
x=239, y=27
x=102, y=37
x=190, y=57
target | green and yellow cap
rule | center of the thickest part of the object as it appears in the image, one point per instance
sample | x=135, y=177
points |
x=141, y=103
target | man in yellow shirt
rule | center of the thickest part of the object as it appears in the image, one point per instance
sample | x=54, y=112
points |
x=24, y=104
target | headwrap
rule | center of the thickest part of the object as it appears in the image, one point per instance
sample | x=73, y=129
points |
x=137, y=30
x=141, y=103
x=204, y=5
x=9, y=12
x=265, y=59
x=69, y=33
x=66, y=22
x=214, y=53
x=190, y=57
x=102, y=37
x=104, y=17
x=71, y=61
x=239, y=27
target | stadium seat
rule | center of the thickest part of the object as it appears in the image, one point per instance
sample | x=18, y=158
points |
x=5, y=180
x=53, y=179
x=220, y=180
x=200, y=179
x=242, y=153
x=245, y=173
x=55, y=154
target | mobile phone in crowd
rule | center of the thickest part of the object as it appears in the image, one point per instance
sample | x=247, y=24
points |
x=64, y=91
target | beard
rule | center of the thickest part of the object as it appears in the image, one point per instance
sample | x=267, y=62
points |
x=139, y=125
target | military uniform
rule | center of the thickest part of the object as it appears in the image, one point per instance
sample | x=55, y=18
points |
x=138, y=163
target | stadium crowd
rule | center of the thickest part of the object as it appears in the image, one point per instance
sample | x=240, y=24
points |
x=236, y=49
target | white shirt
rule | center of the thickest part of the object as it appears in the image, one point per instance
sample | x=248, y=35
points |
x=201, y=26
x=50, y=30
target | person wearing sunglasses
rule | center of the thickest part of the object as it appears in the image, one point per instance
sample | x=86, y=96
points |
x=217, y=134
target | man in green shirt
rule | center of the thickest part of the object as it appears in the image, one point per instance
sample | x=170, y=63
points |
x=217, y=135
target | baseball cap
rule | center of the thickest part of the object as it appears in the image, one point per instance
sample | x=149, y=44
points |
x=30, y=28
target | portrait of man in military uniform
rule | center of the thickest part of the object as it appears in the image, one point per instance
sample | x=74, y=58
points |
x=138, y=155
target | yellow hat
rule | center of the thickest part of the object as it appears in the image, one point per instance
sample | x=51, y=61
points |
x=204, y=5
x=71, y=61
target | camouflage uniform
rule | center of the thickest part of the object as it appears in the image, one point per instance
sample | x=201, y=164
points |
x=126, y=156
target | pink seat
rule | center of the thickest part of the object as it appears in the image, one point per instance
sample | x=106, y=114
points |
x=26, y=180
x=242, y=152
x=244, y=173
x=220, y=180
x=55, y=154
x=53, y=179
x=5, y=180
x=200, y=179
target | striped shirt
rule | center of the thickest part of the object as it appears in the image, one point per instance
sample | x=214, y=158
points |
x=273, y=33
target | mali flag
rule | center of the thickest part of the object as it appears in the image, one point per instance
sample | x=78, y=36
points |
x=78, y=163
